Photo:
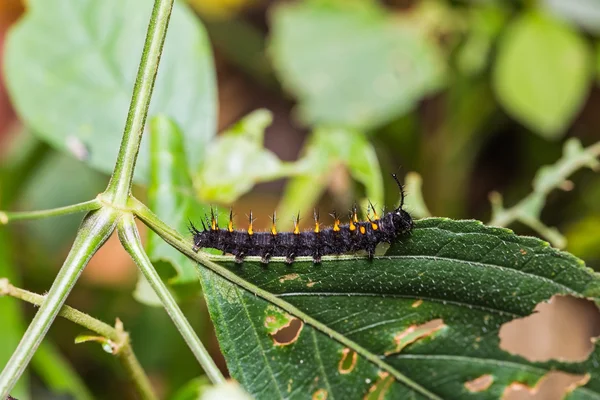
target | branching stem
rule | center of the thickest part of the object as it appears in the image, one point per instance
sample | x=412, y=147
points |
x=94, y=231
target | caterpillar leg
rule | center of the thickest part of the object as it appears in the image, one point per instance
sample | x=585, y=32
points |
x=371, y=252
x=265, y=258
x=290, y=258
x=239, y=258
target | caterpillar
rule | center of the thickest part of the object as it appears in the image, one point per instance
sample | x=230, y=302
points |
x=338, y=239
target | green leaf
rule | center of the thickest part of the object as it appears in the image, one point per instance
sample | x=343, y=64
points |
x=326, y=149
x=70, y=75
x=543, y=73
x=363, y=323
x=486, y=22
x=192, y=390
x=58, y=374
x=171, y=197
x=386, y=70
x=237, y=159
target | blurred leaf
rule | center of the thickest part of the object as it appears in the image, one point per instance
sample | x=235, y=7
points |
x=237, y=159
x=71, y=65
x=230, y=390
x=144, y=293
x=192, y=390
x=11, y=318
x=220, y=9
x=486, y=22
x=202, y=389
x=171, y=197
x=58, y=374
x=324, y=150
x=386, y=70
x=48, y=188
x=463, y=278
x=583, y=239
x=548, y=178
x=542, y=73
x=243, y=44
x=585, y=13
x=414, y=203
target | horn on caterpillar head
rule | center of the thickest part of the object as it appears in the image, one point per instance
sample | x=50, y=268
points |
x=401, y=187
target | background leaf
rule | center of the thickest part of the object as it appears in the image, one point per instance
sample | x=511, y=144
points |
x=237, y=159
x=58, y=374
x=385, y=72
x=542, y=73
x=466, y=278
x=71, y=65
x=171, y=197
x=325, y=150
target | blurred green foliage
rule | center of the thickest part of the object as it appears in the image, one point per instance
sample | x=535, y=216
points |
x=474, y=96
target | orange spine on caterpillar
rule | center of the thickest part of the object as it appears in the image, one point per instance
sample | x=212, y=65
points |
x=337, y=239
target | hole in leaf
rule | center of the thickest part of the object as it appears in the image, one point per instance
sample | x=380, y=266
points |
x=553, y=386
x=288, y=334
x=479, y=384
x=561, y=328
x=283, y=328
x=348, y=361
x=320, y=394
x=380, y=388
x=414, y=333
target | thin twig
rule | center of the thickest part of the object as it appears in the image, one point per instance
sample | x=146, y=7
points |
x=527, y=210
x=116, y=337
x=6, y=217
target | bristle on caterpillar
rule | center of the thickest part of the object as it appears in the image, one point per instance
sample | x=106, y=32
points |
x=337, y=239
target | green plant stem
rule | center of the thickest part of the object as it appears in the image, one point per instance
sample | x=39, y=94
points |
x=505, y=216
x=185, y=247
x=119, y=187
x=6, y=217
x=129, y=236
x=119, y=338
x=548, y=178
x=96, y=227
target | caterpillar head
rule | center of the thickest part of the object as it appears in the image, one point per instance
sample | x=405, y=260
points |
x=401, y=220
x=200, y=237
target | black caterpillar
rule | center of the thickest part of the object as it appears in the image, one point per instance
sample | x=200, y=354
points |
x=339, y=239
